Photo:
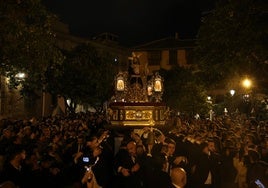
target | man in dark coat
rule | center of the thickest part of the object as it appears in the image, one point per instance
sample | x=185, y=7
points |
x=12, y=170
x=206, y=169
x=128, y=167
x=257, y=172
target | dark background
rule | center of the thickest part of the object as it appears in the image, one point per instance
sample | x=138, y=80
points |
x=134, y=21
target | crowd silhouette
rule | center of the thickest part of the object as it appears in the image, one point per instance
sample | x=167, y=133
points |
x=83, y=150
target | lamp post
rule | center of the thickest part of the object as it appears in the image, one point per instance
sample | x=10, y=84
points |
x=232, y=102
x=247, y=85
x=209, y=100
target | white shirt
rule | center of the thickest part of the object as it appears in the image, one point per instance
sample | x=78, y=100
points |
x=176, y=186
x=208, y=181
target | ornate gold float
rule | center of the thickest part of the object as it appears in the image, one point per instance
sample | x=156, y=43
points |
x=137, y=114
x=137, y=100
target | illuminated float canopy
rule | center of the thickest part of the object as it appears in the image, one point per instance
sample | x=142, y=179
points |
x=137, y=100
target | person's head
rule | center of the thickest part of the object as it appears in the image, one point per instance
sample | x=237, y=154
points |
x=171, y=146
x=92, y=142
x=16, y=152
x=178, y=176
x=46, y=131
x=204, y=148
x=140, y=150
x=7, y=133
x=254, y=156
x=27, y=130
x=46, y=161
x=211, y=145
x=160, y=161
x=8, y=184
x=132, y=148
x=56, y=137
x=80, y=139
x=17, y=139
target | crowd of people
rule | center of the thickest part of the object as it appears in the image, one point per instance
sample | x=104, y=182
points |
x=84, y=151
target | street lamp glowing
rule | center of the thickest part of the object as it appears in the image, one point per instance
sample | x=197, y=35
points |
x=209, y=99
x=20, y=75
x=232, y=92
x=247, y=83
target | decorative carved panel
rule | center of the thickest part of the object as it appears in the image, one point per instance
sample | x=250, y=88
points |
x=139, y=114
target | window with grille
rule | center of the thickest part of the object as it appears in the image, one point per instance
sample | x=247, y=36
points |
x=173, y=56
x=189, y=56
x=154, y=57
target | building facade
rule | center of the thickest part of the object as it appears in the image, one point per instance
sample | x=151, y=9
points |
x=165, y=53
x=156, y=55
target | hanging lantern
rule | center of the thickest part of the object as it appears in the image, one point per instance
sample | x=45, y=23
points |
x=157, y=83
x=120, y=82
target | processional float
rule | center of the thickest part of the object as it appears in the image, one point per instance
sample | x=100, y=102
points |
x=137, y=100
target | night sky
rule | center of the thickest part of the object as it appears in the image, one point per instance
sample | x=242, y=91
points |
x=134, y=21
